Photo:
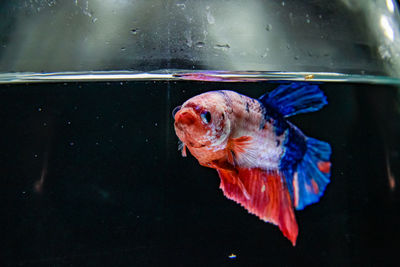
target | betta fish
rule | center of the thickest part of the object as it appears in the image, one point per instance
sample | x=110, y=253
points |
x=265, y=163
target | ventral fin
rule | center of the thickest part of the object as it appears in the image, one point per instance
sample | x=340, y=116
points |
x=184, y=153
x=295, y=98
x=182, y=148
x=265, y=195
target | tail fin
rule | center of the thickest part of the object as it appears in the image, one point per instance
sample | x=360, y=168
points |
x=312, y=174
x=264, y=194
x=295, y=98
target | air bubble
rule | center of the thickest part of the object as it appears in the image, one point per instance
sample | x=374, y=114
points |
x=182, y=6
x=268, y=27
x=200, y=44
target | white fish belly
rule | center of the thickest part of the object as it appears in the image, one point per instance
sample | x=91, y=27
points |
x=265, y=151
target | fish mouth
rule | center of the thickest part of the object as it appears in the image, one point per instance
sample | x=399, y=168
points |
x=185, y=123
x=185, y=117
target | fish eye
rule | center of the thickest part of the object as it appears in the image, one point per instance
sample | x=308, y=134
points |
x=175, y=111
x=206, y=117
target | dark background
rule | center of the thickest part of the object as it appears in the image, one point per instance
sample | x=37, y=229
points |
x=90, y=175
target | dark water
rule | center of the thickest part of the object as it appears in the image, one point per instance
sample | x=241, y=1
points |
x=91, y=176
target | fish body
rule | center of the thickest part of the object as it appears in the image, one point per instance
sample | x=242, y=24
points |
x=265, y=163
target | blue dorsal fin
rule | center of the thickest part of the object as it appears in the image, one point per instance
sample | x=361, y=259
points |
x=295, y=98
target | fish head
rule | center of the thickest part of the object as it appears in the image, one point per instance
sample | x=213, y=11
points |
x=202, y=121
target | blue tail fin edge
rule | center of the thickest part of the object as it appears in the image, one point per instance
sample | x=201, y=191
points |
x=313, y=173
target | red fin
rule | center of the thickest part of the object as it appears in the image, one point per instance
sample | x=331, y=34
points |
x=237, y=146
x=225, y=166
x=267, y=197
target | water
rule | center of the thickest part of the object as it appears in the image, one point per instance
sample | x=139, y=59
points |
x=91, y=175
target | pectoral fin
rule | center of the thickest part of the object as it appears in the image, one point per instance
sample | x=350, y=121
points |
x=237, y=146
